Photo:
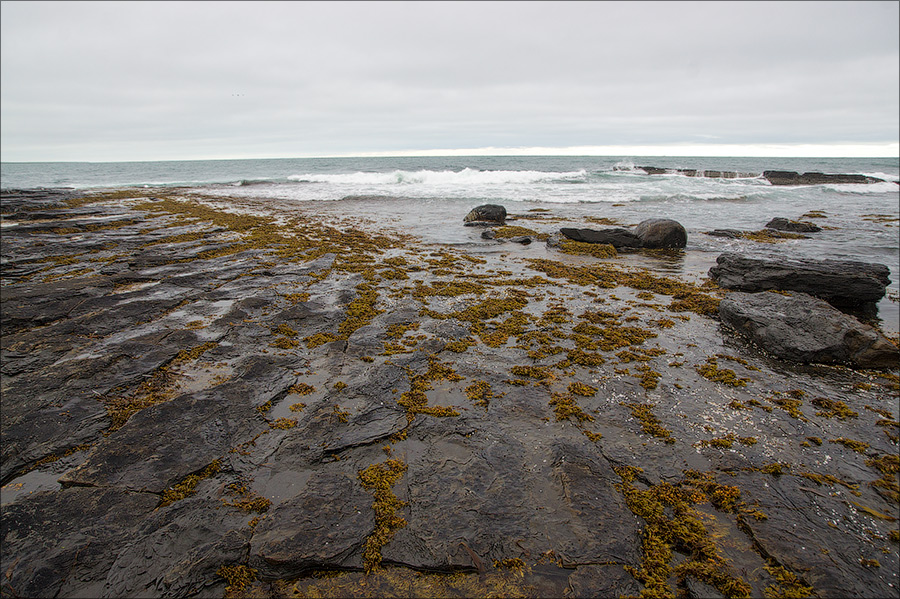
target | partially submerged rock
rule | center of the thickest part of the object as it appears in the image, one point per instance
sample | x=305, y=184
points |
x=802, y=328
x=727, y=233
x=486, y=214
x=651, y=233
x=783, y=224
x=794, y=178
x=661, y=233
x=616, y=237
x=844, y=284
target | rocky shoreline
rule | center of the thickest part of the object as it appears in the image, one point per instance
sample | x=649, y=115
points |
x=203, y=402
x=773, y=177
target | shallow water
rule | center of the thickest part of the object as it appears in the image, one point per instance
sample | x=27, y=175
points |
x=428, y=198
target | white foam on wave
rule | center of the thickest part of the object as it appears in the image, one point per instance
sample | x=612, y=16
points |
x=864, y=188
x=466, y=176
x=884, y=176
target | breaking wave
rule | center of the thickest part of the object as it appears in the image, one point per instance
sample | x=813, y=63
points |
x=428, y=177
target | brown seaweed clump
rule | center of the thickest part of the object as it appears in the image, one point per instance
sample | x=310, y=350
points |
x=378, y=480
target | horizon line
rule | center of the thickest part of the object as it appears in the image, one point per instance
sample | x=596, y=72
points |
x=845, y=150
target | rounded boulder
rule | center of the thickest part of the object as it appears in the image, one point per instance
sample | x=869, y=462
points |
x=661, y=233
x=486, y=213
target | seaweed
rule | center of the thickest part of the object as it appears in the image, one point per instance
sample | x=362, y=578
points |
x=378, y=480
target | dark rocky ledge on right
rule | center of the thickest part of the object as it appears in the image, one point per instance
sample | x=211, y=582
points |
x=772, y=176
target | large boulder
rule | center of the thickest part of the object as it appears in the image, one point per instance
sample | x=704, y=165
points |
x=845, y=284
x=616, y=237
x=783, y=224
x=490, y=214
x=661, y=233
x=802, y=328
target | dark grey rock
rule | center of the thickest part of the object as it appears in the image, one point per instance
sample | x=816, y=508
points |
x=616, y=237
x=654, y=170
x=325, y=526
x=164, y=443
x=728, y=233
x=783, y=224
x=843, y=284
x=178, y=549
x=67, y=539
x=661, y=233
x=802, y=328
x=491, y=213
x=782, y=177
x=794, y=178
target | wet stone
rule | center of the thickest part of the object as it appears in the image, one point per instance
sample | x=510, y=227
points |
x=176, y=424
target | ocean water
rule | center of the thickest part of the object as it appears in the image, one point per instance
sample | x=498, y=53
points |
x=428, y=197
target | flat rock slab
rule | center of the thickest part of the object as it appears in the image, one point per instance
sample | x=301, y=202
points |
x=844, y=284
x=162, y=444
x=802, y=328
x=187, y=542
x=783, y=224
x=616, y=236
x=65, y=542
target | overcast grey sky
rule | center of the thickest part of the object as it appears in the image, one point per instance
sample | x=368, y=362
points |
x=180, y=80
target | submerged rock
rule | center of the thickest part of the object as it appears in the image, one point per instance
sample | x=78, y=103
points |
x=842, y=283
x=661, y=233
x=802, y=328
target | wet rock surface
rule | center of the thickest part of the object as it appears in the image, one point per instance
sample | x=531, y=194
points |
x=615, y=236
x=230, y=400
x=486, y=215
x=794, y=178
x=659, y=233
x=801, y=328
x=783, y=224
x=845, y=284
x=773, y=177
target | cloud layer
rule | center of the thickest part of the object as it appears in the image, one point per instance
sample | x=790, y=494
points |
x=169, y=80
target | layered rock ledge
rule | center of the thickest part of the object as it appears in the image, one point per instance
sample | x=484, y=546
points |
x=206, y=398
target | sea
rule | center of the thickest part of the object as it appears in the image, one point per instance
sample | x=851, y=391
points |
x=427, y=197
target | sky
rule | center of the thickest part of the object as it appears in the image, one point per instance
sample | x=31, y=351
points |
x=117, y=81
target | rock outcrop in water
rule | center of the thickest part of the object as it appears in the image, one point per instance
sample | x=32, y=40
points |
x=615, y=236
x=802, y=328
x=201, y=403
x=782, y=224
x=486, y=214
x=794, y=178
x=653, y=233
x=773, y=177
x=845, y=284
x=659, y=233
